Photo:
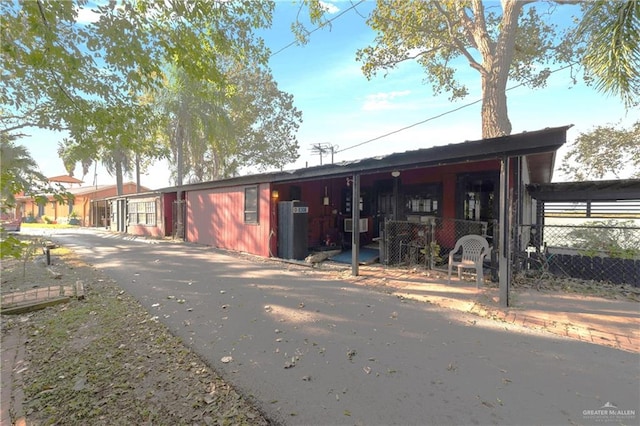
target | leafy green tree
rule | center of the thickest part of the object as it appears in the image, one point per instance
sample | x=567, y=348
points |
x=612, y=54
x=264, y=119
x=195, y=123
x=105, y=144
x=604, y=150
x=214, y=131
x=87, y=77
x=500, y=41
x=19, y=172
x=513, y=40
x=20, y=175
x=613, y=237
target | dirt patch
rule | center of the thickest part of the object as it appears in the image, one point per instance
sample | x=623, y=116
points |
x=558, y=284
x=104, y=360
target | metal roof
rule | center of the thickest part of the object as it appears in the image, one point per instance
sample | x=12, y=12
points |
x=522, y=144
x=603, y=190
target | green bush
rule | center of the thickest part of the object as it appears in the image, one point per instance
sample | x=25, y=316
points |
x=619, y=239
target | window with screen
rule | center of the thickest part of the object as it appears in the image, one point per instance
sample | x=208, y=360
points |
x=251, y=204
x=142, y=213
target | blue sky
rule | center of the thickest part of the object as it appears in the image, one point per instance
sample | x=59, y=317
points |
x=340, y=106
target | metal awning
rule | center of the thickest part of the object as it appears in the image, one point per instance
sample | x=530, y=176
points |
x=603, y=190
x=541, y=145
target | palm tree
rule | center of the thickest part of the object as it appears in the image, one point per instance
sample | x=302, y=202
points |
x=119, y=162
x=198, y=127
x=116, y=159
x=19, y=171
x=612, y=31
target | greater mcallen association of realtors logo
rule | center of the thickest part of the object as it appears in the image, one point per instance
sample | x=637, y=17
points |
x=609, y=413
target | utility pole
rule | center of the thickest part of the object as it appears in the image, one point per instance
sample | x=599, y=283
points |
x=322, y=149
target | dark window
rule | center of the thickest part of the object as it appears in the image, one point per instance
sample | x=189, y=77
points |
x=478, y=196
x=423, y=200
x=251, y=204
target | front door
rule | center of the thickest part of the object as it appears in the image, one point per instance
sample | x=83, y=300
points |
x=386, y=207
x=478, y=198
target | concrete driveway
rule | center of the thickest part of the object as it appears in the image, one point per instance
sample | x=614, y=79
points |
x=310, y=350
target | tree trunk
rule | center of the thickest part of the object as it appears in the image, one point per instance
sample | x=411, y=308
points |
x=137, y=173
x=180, y=157
x=119, y=176
x=495, y=67
x=495, y=119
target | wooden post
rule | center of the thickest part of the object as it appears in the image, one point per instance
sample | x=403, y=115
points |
x=355, y=216
x=504, y=244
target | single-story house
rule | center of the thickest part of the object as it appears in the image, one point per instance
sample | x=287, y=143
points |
x=412, y=206
x=79, y=208
x=148, y=214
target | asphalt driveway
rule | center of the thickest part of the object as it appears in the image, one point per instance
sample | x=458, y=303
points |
x=314, y=351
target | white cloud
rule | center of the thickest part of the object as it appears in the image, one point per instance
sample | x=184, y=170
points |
x=383, y=100
x=330, y=8
x=87, y=16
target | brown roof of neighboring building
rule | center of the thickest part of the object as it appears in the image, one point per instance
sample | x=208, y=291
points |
x=85, y=190
x=65, y=179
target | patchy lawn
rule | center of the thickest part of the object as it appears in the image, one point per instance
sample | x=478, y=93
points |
x=104, y=360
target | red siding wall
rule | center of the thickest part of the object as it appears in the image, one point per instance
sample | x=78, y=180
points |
x=321, y=217
x=167, y=203
x=215, y=217
x=146, y=231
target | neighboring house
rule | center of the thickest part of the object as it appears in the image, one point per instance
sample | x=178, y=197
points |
x=147, y=214
x=79, y=208
x=447, y=190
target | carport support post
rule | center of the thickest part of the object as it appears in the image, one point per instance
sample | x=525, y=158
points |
x=504, y=274
x=355, y=216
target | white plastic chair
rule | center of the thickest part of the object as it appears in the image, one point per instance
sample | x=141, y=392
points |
x=474, y=249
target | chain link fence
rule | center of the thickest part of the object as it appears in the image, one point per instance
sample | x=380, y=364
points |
x=427, y=241
x=601, y=251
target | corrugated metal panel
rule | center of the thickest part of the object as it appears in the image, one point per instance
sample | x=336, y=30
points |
x=215, y=217
x=603, y=190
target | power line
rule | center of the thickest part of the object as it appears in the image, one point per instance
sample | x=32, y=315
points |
x=410, y=126
x=442, y=114
x=353, y=6
x=336, y=151
x=324, y=148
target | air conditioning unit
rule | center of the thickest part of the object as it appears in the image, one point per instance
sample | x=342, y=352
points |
x=364, y=225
